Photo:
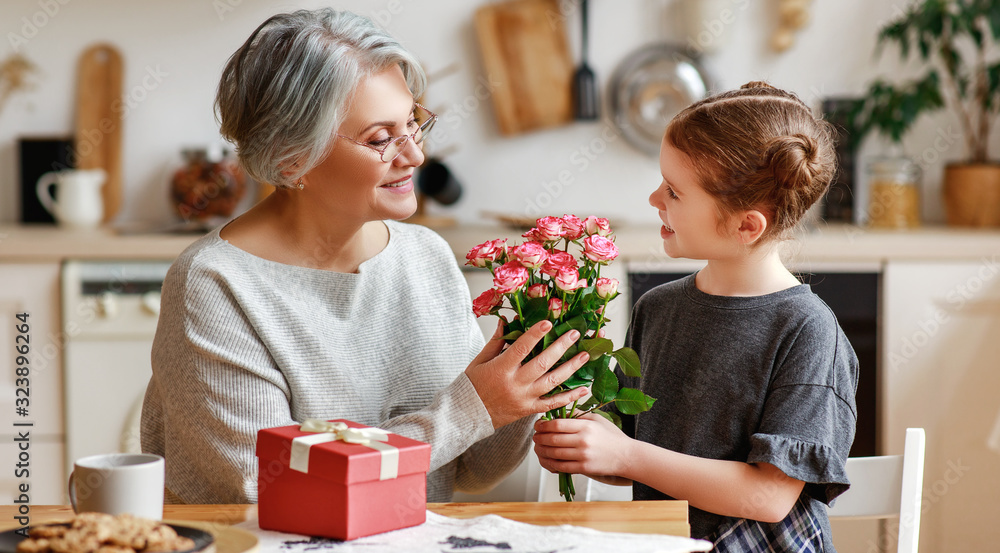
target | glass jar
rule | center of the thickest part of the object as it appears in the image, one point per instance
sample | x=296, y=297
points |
x=893, y=193
x=208, y=186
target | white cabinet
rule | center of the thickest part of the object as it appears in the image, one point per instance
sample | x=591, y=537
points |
x=32, y=288
x=940, y=368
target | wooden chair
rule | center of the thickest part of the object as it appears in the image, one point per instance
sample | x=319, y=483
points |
x=885, y=487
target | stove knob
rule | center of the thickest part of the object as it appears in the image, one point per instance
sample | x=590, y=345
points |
x=107, y=305
x=151, y=302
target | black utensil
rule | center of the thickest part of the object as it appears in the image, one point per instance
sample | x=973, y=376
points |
x=437, y=181
x=586, y=104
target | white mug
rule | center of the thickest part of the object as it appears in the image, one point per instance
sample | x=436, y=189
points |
x=117, y=483
x=80, y=202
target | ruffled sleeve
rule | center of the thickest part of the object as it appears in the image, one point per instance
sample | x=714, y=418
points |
x=809, y=416
x=819, y=466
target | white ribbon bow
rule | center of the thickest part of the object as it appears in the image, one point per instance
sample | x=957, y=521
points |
x=345, y=433
x=324, y=431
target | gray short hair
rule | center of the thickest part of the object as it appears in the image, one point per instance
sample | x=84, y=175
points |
x=286, y=90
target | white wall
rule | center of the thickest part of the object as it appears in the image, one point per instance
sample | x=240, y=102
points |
x=188, y=41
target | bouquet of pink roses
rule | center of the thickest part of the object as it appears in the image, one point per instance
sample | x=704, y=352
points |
x=541, y=279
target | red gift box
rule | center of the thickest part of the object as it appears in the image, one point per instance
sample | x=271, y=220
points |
x=326, y=482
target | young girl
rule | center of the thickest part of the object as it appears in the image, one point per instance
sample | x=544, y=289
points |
x=754, y=378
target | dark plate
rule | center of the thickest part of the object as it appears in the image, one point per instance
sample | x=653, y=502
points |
x=202, y=539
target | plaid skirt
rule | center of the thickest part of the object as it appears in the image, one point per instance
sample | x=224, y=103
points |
x=799, y=532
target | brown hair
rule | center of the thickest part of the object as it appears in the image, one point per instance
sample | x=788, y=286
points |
x=758, y=147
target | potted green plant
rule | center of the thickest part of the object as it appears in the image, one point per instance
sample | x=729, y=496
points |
x=956, y=39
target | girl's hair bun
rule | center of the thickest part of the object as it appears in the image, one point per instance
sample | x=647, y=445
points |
x=792, y=160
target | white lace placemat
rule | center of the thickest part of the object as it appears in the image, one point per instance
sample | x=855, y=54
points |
x=490, y=533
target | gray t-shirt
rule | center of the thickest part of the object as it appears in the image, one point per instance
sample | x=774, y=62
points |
x=752, y=379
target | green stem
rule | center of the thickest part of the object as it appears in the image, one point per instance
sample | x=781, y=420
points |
x=517, y=308
x=566, y=486
x=604, y=309
x=573, y=410
x=596, y=407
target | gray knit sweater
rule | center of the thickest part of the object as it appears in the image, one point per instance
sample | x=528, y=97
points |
x=244, y=343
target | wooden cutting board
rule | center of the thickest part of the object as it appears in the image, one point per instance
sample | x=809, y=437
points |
x=527, y=63
x=98, y=131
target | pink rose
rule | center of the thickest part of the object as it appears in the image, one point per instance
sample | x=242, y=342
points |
x=486, y=302
x=537, y=291
x=597, y=225
x=558, y=261
x=556, y=307
x=530, y=254
x=509, y=277
x=568, y=280
x=572, y=227
x=490, y=251
x=599, y=249
x=549, y=228
x=606, y=287
x=533, y=235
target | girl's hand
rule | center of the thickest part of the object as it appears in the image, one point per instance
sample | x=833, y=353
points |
x=590, y=445
x=510, y=390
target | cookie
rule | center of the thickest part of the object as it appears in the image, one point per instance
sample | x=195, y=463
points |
x=101, y=533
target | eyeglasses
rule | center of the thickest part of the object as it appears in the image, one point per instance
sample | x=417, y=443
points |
x=396, y=144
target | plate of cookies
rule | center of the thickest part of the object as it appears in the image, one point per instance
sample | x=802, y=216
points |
x=101, y=533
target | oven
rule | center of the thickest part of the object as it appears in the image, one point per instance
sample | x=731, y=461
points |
x=109, y=313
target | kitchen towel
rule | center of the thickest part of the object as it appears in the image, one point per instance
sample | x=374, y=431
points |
x=489, y=533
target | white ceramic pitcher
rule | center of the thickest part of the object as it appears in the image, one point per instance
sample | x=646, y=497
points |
x=80, y=203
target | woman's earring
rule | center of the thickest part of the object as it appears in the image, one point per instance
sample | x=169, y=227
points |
x=300, y=184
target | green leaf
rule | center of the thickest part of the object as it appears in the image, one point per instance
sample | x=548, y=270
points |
x=514, y=325
x=628, y=361
x=994, y=19
x=577, y=322
x=597, y=346
x=993, y=80
x=892, y=110
x=591, y=403
x=534, y=311
x=613, y=417
x=605, y=387
x=511, y=336
x=588, y=372
x=549, y=337
x=571, y=383
x=570, y=352
x=631, y=401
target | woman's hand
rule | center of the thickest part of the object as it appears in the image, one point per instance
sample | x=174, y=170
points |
x=510, y=390
x=590, y=445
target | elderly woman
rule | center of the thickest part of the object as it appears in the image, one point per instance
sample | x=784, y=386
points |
x=317, y=303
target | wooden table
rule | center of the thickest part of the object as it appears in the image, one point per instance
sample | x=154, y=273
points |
x=646, y=517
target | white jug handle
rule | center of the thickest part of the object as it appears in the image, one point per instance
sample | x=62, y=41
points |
x=72, y=491
x=45, y=194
